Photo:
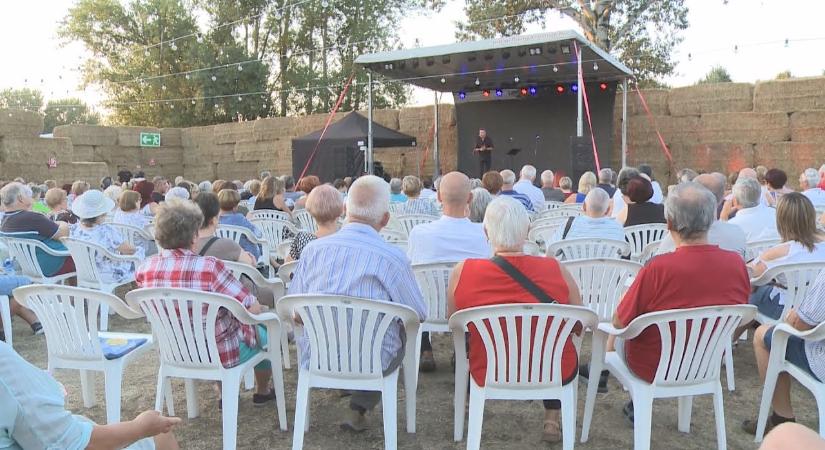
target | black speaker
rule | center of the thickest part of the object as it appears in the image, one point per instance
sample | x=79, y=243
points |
x=581, y=157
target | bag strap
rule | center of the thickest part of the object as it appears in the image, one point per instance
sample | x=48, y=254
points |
x=522, y=279
x=208, y=244
x=567, y=226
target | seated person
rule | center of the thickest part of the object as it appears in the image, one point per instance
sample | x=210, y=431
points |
x=551, y=194
x=691, y=210
x=21, y=221
x=147, y=205
x=92, y=208
x=415, y=204
x=35, y=416
x=9, y=283
x=272, y=196
x=756, y=220
x=229, y=215
x=807, y=355
x=305, y=185
x=395, y=191
x=636, y=194
x=586, y=182
x=58, y=203
x=179, y=266
x=38, y=204
x=326, y=206
x=508, y=179
x=594, y=223
x=128, y=213
x=483, y=282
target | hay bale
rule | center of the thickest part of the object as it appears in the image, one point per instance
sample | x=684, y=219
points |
x=656, y=101
x=19, y=123
x=261, y=150
x=83, y=153
x=215, y=153
x=91, y=172
x=130, y=136
x=35, y=150
x=808, y=126
x=275, y=128
x=171, y=137
x=191, y=137
x=385, y=117
x=798, y=94
x=792, y=157
x=710, y=98
x=237, y=170
x=722, y=157
x=87, y=134
x=162, y=155
x=744, y=127
x=199, y=172
x=641, y=133
x=230, y=133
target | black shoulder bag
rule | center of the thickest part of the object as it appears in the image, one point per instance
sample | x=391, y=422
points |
x=522, y=279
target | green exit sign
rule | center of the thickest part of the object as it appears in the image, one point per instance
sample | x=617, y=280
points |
x=150, y=139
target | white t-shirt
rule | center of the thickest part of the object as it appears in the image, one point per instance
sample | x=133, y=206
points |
x=727, y=236
x=536, y=195
x=816, y=195
x=447, y=239
x=618, y=203
x=658, y=197
x=758, y=223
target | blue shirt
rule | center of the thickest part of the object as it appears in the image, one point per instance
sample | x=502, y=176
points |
x=520, y=197
x=588, y=227
x=239, y=220
x=398, y=198
x=357, y=262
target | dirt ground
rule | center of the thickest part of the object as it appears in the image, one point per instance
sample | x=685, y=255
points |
x=507, y=424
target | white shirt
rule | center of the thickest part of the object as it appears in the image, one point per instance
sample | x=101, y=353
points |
x=447, y=239
x=535, y=194
x=618, y=203
x=588, y=227
x=658, y=197
x=427, y=193
x=727, y=236
x=816, y=195
x=758, y=223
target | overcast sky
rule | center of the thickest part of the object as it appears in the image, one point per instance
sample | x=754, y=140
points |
x=31, y=52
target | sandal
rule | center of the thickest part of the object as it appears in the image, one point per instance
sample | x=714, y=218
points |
x=552, y=432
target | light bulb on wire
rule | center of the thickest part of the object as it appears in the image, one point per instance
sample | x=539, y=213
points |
x=516, y=79
x=478, y=82
x=555, y=68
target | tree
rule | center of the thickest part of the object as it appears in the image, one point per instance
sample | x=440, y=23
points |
x=68, y=111
x=28, y=99
x=717, y=74
x=784, y=75
x=641, y=33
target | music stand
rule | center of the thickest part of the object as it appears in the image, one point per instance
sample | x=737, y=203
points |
x=513, y=152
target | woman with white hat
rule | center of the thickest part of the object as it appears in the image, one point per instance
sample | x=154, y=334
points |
x=92, y=208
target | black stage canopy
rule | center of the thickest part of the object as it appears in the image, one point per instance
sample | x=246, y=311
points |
x=340, y=153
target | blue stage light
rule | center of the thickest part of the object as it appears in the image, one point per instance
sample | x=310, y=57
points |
x=462, y=95
x=533, y=90
x=574, y=87
x=499, y=93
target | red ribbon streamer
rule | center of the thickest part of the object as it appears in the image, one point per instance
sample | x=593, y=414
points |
x=329, y=121
x=587, y=110
x=653, y=124
x=426, y=149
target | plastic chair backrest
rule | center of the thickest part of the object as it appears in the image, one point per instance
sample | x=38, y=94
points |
x=524, y=342
x=587, y=248
x=409, y=221
x=24, y=251
x=602, y=283
x=346, y=334
x=131, y=232
x=542, y=235
x=562, y=211
x=240, y=269
x=639, y=236
x=275, y=231
x=551, y=205
x=306, y=221
x=433, y=280
x=285, y=271
x=755, y=248
x=85, y=254
x=649, y=252
x=798, y=279
x=392, y=236
x=269, y=214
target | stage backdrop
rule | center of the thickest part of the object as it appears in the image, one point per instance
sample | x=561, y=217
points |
x=541, y=126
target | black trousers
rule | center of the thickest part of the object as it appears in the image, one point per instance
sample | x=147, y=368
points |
x=484, y=160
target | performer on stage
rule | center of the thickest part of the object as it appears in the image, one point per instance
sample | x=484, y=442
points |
x=484, y=151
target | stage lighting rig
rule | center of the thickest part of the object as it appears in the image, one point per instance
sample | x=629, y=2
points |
x=485, y=92
x=574, y=87
x=462, y=95
x=603, y=86
x=560, y=89
x=533, y=91
x=499, y=93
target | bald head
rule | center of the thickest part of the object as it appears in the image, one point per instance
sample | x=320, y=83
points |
x=596, y=203
x=454, y=189
x=715, y=183
x=747, y=172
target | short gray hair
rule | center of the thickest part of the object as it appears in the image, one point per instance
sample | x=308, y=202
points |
x=508, y=176
x=547, y=177
x=812, y=177
x=12, y=192
x=597, y=201
x=177, y=192
x=478, y=205
x=205, y=186
x=528, y=172
x=506, y=222
x=605, y=175
x=368, y=200
x=624, y=177
x=691, y=210
x=324, y=203
x=747, y=192
x=177, y=223
x=395, y=185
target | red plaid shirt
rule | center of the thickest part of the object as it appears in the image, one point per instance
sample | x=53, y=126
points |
x=185, y=269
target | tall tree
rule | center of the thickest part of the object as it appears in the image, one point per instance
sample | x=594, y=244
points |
x=25, y=98
x=717, y=74
x=68, y=111
x=642, y=33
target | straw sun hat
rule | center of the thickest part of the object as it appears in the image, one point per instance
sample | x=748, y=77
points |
x=92, y=204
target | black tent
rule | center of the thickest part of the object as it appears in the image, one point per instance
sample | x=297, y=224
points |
x=339, y=154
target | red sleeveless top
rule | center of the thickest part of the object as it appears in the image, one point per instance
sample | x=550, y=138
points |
x=482, y=283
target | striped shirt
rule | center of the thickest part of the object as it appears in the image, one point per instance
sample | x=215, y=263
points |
x=357, y=262
x=525, y=200
x=418, y=206
x=812, y=311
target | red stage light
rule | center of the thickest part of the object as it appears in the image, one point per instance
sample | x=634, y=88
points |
x=603, y=86
x=486, y=93
x=523, y=91
x=560, y=89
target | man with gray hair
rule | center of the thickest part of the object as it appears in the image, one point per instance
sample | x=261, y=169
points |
x=606, y=181
x=756, y=220
x=809, y=186
x=724, y=234
x=551, y=194
x=696, y=275
x=621, y=181
x=525, y=186
x=396, y=196
x=508, y=180
x=357, y=262
x=595, y=223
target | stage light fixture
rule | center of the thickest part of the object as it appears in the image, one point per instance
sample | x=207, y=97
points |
x=555, y=68
x=443, y=80
x=560, y=89
x=485, y=92
x=603, y=86
x=388, y=66
x=565, y=49
x=523, y=91
x=574, y=87
x=478, y=82
x=533, y=91
x=595, y=66
x=462, y=95
x=535, y=51
x=516, y=79
x=499, y=93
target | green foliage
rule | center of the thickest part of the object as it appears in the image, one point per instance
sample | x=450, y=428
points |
x=641, y=33
x=784, y=75
x=717, y=74
x=68, y=111
x=28, y=99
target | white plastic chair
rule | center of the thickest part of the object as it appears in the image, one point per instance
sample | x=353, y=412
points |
x=278, y=288
x=396, y=207
x=543, y=235
x=132, y=236
x=85, y=255
x=551, y=205
x=24, y=251
x=694, y=341
x=649, y=252
x=73, y=339
x=306, y=221
x=544, y=221
x=755, y=248
x=797, y=279
x=602, y=282
x=283, y=249
x=408, y=221
x=433, y=280
x=5, y=316
x=345, y=336
x=562, y=211
x=588, y=248
x=235, y=233
x=777, y=364
x=639, y=236
x=531, y=248
x=275, y=232
x=270, y=214
x=392, y=236
x=183, y=323
x=285, y=272
x=527, y=368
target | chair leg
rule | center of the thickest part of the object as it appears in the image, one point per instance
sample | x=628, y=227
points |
x=285, y=348
x=820, y=405
x=642, y=421
x=192, y=407
x=389, y=408
x=5, y=315
x=685, y=407
x=278, y=383
x=301, y=411
x=596, y=365
x=476, y=417
x=410, y=368
x=729, y=367
x=112, y=376
x=160, y=393
x=719, y=412
x=230, y=386
x=569, y=408
x=87, y=386
x=765, y=405
x=460, y=399
x=168, y=394
x=249, y=380
x=104, y=317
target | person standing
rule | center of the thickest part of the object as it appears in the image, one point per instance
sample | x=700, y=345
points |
x=484, y=151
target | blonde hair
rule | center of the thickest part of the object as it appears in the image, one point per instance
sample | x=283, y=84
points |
x=565, y=183
x=128, y=200
x=79, y=187
x=228, y=199
x=796, y=220
x=54, y=197
x=587, y=182
x=411, y=185
x=325, y=204
x=270, y=187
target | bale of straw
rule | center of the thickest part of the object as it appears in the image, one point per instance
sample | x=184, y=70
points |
x=792, y=95
x=792, y=157
x=808, y=126
x=237, y=170
x=194, y=136
x=749, y=127
x=230, y=133
x=275, y=128
x=171, y=137
x=722, y=157
x=19, y=123
x=711, y=98
x=261, y=150
x=90, y=135
x=34, y=150
x=83, y=153
x=657, y=101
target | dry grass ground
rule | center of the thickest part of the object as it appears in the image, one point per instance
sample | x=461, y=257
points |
x=507, y=424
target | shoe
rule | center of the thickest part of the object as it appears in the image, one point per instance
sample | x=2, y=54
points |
x=261, y=399
x=584, y=372
x=427, y=363
x=37, y=328
x=552, y=432
x=356, y=423
x=627, y=411
x=749, y=426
